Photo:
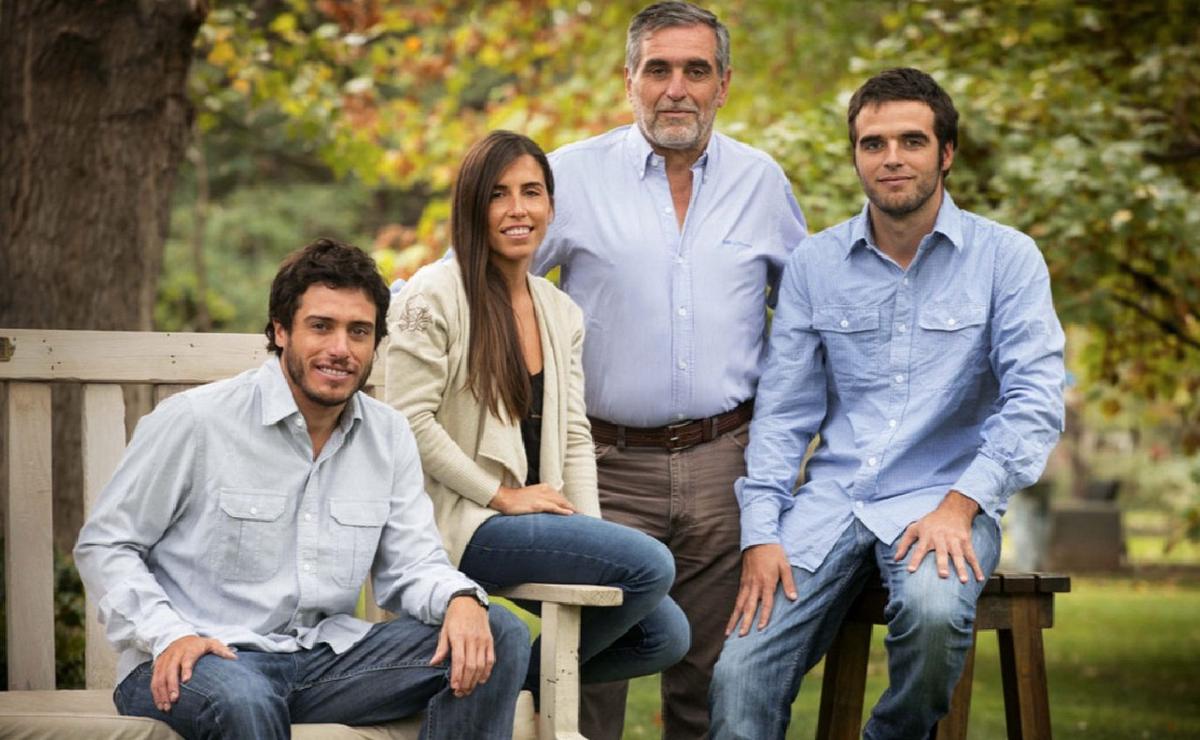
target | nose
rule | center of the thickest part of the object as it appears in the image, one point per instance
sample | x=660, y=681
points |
x=676, y=88
x=893, y=155
x=339, y=345
x=518, y=206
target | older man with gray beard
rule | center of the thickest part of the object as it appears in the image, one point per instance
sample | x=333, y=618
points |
x=672, y=238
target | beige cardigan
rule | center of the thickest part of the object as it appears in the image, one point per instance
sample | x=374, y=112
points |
x=466, y=452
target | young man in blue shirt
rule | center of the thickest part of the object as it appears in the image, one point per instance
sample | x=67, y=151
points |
x=921, y=343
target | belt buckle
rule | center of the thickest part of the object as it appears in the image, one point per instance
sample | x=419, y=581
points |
x=673, y=431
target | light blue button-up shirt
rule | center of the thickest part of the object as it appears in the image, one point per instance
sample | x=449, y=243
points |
x=947, y=375
x=675, y=318
x=218, y=522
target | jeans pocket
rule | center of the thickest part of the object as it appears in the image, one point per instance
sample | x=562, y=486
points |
x=356, y=526
x=250, y=534
x=852, y=342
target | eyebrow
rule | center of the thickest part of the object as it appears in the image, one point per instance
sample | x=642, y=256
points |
x=911, y=134
x=692, y=62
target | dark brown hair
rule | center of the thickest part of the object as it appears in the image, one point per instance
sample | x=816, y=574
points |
x=906, y=83
x=497, y=369
x=332, y=264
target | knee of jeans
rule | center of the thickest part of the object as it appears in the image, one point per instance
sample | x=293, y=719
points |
x=510, y=637
x=932, y=606
x=659, y=564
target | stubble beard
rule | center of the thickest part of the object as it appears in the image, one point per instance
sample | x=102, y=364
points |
x=687, y=136
x=295, y=370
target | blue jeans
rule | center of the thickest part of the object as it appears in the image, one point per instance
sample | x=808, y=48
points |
x=645, y=634
x=930, y=622
x=385, y=676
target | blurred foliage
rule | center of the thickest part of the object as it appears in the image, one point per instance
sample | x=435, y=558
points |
x=1080, y=125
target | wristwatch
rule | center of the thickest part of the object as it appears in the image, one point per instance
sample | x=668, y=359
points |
x=474, y=592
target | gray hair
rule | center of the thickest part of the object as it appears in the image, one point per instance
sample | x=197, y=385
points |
x=672, y=15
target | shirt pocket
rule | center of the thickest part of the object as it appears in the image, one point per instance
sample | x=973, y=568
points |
x=356, y=528
x=251, y=534
x=951, y=342
x=852, y=343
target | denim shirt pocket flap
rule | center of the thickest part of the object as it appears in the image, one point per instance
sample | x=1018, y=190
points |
x=951, y=317
x=359, y=513
x=252, y=504
x=845, y=319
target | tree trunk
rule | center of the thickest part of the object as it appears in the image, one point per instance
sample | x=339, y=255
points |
x=94, y=121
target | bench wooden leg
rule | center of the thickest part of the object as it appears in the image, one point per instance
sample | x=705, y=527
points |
x=1023, y=670
x=559, y=717
x=954, y=725
x=845, y=682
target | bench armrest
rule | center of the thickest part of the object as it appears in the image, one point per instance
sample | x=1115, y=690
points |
x=559, y=686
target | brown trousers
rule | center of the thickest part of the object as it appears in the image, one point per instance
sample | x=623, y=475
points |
x=686, y=501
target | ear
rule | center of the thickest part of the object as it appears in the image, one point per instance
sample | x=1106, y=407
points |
x=628, y=84
x=723, y=91
x=947, y=158
x=281, y=334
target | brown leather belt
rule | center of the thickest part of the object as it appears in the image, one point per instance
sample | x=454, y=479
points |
x=674, y=437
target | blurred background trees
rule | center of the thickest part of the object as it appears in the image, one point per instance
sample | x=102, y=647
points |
x=1080, y=125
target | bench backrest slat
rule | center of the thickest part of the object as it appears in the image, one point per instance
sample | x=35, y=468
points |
x=28, y=538
x=103, y=445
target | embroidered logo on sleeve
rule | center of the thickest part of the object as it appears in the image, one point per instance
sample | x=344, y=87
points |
x=415, y=315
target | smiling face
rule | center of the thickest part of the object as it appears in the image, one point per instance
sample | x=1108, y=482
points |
x=677, y=90
x=327, y=354
x=519, y=210
x=898, y=160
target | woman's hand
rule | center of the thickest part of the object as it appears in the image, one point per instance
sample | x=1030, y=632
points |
x=530, y=500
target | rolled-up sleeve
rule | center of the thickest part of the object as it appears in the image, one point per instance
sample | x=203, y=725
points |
x=151, y=483
x=1027, y=359
x=412, y=573
x=788, y=411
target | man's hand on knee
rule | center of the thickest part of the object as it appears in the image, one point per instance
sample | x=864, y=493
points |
x=174, y=666
x=467, y=637
x=947, y=531
x=763, y=567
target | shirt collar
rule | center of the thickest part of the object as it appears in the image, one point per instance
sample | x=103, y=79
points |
x=641, y=154
x=948, y=224
x=278, y=403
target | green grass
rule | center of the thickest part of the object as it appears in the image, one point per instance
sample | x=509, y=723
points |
x=1123, y=661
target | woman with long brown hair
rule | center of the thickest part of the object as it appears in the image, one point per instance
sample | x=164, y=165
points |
x=485, y=360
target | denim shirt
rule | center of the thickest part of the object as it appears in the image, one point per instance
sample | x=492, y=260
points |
x=219, y=523
x=675, y=318
x=947, y=375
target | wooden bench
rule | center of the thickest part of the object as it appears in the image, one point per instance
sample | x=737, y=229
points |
x=30, y=362
x=1017, y=605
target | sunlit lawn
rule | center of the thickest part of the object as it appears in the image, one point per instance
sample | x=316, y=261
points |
x=1123, y=661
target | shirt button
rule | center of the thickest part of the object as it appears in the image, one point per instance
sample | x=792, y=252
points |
x=902, y=328
x=300, y=423
x=683, y=364
x=906, y=281
x=307, y=567
x=899, y=378
x=666, y=210
x=872, y=461
x=253, y=509
x=858, y=504
x=845, y=323
x=950, y=322
x=308, y=517
x=892, y=423
x=682, y=311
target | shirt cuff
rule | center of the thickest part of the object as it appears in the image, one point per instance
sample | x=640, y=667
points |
x=984, y=480
x=162, y=642
x=760, y=524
